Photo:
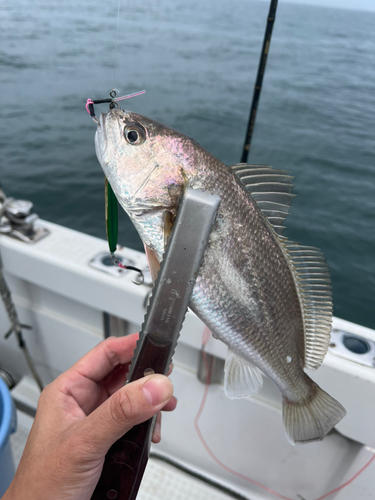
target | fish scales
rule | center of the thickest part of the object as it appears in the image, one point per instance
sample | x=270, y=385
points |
x=273, y=329
x=267, y=299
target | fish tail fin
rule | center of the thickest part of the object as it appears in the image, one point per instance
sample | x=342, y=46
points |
x=312, y=419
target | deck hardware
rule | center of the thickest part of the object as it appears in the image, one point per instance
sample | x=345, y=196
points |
x=352, y=347
x=103, y=262
x=18, y=221
x=355, y=344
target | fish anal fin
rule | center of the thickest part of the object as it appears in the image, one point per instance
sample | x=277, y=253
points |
x=241, y=379
x=153, y=262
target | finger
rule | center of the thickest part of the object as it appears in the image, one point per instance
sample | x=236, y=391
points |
x=132, y=404
x=101, y=360
x=117, y=380
x=156, y=435
x=171, y=405
x=111, y=383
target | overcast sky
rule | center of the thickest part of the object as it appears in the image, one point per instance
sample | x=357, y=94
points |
x=347, y=4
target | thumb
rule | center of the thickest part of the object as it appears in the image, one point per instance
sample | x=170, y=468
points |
x=134, y=403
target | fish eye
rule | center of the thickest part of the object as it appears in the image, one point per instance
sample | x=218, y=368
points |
x=134, y=134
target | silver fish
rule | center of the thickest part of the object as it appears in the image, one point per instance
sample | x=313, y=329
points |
x=268, y=299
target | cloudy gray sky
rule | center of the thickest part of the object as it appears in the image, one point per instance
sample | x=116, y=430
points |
x=347, y=4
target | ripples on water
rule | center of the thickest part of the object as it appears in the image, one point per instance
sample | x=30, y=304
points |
x=198, y=62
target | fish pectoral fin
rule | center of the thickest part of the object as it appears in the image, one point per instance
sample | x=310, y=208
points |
x=153, y=262
x=241, y=379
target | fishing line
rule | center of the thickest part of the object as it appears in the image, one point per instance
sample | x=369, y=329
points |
x=350, y=480
x=208, y=367
x=115, y=61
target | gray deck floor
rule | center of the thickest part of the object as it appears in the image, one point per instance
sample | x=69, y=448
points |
x=160, y=481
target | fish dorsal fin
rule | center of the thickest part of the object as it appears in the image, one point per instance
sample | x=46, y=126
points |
x=241, y=379
x=313, y=280
x=270, y=188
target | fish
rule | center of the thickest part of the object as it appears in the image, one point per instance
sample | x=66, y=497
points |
x=267, y=298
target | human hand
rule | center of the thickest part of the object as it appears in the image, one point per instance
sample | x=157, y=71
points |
x=80, y=415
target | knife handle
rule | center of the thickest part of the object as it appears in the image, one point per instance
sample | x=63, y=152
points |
x=125, y=463
x=152, y=355
x=127, y=458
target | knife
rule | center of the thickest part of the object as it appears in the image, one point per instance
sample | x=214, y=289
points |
x=126, y=460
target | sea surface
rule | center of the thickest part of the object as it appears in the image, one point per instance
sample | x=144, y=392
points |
x=198, y=59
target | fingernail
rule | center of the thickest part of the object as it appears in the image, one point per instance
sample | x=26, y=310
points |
x=157, y=390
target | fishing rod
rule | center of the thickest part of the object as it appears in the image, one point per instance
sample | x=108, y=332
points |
x=259, y=80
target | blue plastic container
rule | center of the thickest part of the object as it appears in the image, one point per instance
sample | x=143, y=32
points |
x=8, y=424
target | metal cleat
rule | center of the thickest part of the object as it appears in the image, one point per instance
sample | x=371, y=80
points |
x=17, y=221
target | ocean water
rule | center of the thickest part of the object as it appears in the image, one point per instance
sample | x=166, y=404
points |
x=198, y=62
